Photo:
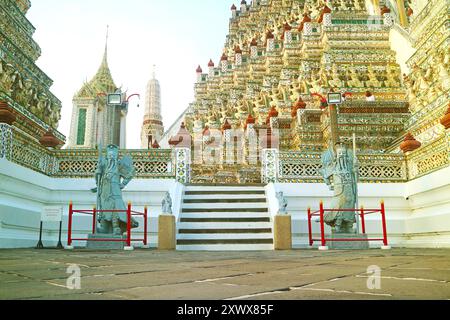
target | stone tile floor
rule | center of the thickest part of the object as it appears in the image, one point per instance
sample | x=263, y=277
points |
x=297, y=274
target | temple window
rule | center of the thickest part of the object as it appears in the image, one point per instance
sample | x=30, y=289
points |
x=81, y=132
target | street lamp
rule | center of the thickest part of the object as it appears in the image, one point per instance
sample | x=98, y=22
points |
x=116, y=100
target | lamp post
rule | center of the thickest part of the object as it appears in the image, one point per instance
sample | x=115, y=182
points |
x=117, y=100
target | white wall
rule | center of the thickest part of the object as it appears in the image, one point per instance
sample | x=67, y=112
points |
x=23, y=194
x=417, y=212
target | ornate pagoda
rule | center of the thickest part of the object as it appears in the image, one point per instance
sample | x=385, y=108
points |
x=27, y=106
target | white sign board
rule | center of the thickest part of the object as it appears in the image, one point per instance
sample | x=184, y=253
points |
x=51, y=214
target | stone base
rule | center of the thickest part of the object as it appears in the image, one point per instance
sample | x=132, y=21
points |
x=348, y=245
x=105, y=245
x=283, y=232
x=166, y=232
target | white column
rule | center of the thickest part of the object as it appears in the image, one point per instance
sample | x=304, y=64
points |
x=270, y=166
x=183, y=164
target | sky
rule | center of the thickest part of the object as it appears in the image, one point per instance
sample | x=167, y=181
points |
x=174, y=35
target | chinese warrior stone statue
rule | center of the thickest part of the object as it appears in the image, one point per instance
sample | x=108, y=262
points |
x=112, y=175
x=340, y=174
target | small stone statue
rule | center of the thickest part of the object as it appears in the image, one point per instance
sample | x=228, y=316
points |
x=167, y=204
x=112, y=175
x=282, y=203
x=339, y=172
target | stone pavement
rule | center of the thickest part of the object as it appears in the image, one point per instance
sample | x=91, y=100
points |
x=298, y=274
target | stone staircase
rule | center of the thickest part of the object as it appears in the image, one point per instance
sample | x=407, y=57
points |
x=224, y=218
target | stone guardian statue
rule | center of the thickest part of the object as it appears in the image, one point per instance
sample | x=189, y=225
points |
x=112, y=176
x=340, y=174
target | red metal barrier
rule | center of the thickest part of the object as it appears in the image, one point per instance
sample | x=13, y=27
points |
x=361, y=212
x=94, y=213
x=363, y=220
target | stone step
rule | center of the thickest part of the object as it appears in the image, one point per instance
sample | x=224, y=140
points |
x=211, y=192
x=226, y=200
x=223, y=231
x=225, y=218
x=222, y=219
x=223, y=241
x=221, y=205
x=230, y=185
x=198, y=210
x=201, y=215
x=210, y=236
x=224, y=196
x=226, y=247
x=225, y=225
x=224, y=188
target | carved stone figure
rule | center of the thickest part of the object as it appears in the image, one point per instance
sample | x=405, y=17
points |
x=421, y=84
x=112, y=176
x=335, y=82
x=282, y=203
x=8, y=77
x=443, y=66
x=392, y=77
x=410, y=92
x=315, y=84
x=354, y=79
x=339, y=172
x=167, y=204
x=373, y=80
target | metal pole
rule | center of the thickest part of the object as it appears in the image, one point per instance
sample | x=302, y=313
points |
x=59, y=245
x=334, y=133
x=39, y=244
x=69, y=231
x=129, y=225
x=145, y=226
x=363, y=221
x=322, y=225
x=311, y=242
x=355, y=160
x=94, y=222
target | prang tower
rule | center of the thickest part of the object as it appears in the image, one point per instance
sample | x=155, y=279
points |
x=152, y=127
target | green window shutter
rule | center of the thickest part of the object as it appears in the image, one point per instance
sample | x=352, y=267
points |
x=81, y=133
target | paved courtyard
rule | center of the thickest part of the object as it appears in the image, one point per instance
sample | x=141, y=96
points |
x=298, y=274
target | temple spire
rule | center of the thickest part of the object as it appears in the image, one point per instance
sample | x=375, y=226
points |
x=105, y=55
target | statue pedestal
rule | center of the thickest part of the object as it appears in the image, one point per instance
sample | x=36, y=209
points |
x=105, y=245
x=283, y=232
x=166, y=232
x=348, y=245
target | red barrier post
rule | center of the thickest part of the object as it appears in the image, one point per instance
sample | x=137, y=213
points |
x=310, y=228
x=383, y=219
x=94, y=218
x=145, y=225
x=69, y=231
x=363, y=221
x=322, y=225
x=129, y=225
